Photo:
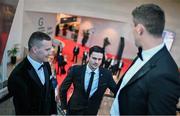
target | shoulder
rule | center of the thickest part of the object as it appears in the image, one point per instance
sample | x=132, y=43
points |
x=19, y=71
x=105, y=71
x=21, y=67
x=77, y=67
x=47, y=64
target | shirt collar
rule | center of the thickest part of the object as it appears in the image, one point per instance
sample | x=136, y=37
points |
x=146, y=54
x=88, y=70
x=34, y=63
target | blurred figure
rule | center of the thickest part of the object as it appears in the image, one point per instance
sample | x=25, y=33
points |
x=84, y=58
x=120, y=66
x=61, y=64
x=64, y=30
x=85, y=38
x=75, y=53
x=113, y=66
x=107, y=63
x=57, y=30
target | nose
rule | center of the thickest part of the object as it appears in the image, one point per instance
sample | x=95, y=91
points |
x=96, y=61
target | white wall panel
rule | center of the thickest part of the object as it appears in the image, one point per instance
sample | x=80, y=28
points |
x=38, y=21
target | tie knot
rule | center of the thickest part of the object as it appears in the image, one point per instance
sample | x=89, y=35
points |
x=42, y=65
x=92, y=73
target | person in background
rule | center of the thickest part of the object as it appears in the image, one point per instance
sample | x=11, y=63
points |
x=113, y=66
x=120, y=66
x=57, y=30
x=75, y=53
x=64, y=29
x=90, y=83
x=61, y=64
x=84, y=58
x=30, y=83
x=107, y=63
x=151, y=86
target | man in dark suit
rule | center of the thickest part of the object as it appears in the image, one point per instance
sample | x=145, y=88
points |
x=30, y=83
x=61, y=64
x=151, y=86
x=84, y=58
x=90, y=82
x=75, y=53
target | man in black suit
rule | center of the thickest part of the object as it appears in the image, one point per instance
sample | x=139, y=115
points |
x=30, y=83
x=61, y=64
x=84, y=58
x=75, y=53
x=151, y=86
x=90, y=82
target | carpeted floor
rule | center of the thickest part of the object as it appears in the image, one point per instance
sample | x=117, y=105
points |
x=69, y=44
x=68, y=53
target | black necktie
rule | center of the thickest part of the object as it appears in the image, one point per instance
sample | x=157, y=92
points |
x=90, y=83
x=140, y=53
x=42, y=65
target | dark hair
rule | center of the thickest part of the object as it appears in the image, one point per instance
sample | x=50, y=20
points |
x=96, y=49
x=151, y=16
x=37, y=37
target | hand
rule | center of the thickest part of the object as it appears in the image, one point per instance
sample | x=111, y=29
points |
x=57, y=97
x=65, y=111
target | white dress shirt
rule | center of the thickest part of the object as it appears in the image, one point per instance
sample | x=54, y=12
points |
x=146, y=54
x=36, y=66
x=95, y=80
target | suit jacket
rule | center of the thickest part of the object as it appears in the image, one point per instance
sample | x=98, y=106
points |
x=154, y=89
x=79, y=99
x=29, y=95
x=61, y=60
x=76, y=50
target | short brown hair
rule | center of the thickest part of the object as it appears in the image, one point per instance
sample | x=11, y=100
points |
x=36, y=37
x=151, y=16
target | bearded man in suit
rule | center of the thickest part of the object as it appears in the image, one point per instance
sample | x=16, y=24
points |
x=151, y=86
x=30, y=83
x=90, y=82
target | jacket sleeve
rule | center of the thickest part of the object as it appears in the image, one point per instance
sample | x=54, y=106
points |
x=53, y=109
x=53, y=102
x=64, y=88
x=164, y=93
x=18, y=89
x=111, y=83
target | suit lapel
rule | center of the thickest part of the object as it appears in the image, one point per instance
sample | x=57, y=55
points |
x=32, y=73
x=34, y=76
x=120, y=81
x=145, y=69
x=47, y=76
x=82, y=77
x=148, y=66
x=101, y=79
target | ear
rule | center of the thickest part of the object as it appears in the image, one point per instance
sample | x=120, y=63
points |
x=34, y=49
x=140, y=29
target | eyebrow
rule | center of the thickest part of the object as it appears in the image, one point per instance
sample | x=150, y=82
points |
x=96, y=58
x=48, y=49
